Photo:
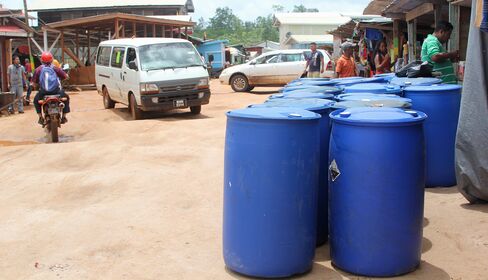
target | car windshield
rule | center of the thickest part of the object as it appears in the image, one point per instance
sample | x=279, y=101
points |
x=168, y=55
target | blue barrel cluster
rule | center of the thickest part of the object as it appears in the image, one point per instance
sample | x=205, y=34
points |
x=341, y=160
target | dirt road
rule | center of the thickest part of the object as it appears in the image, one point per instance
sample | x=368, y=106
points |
x=121, y=199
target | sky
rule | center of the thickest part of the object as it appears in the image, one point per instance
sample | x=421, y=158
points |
x=250, y=9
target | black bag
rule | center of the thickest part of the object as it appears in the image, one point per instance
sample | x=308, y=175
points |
x=416, y=69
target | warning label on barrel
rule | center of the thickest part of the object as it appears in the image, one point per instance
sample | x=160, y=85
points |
x=334, y=171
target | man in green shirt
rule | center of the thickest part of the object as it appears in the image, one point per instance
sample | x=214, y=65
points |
x=434, y=52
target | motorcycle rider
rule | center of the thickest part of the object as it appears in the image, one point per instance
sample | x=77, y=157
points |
x=48, y=77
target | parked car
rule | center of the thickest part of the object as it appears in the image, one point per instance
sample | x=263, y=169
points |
x=276, y=68
x=151, y=74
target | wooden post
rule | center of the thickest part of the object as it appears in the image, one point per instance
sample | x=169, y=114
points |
x=62, y=46
x=179, y=32
x=396, y=36
x=123, y=29
x=134, y=29
x=145, y=30
x=454, y=18
x=89, y=45
x=116, y=34
x=77, y=44
x=171, y=31
x=437, y=13
x=154, y=30
x=4, y=65
x=412, y=40
x=186, y=32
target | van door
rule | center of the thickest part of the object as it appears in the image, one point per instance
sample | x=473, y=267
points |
x=104, y=74
x=130, y=77
x=291, y=66
x=264, y=71
x=116, y=63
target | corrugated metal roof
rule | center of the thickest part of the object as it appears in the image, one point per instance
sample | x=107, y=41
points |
x=310, y=18
x=180, y=17
x=302, y=39
x=40, y=5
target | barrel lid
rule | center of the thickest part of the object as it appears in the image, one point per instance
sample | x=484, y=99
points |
x=434, y=88
x=275, y=113
x=359, y=96
x=402, y=81
x=306, y=87
x=382, y=115
x=391, y=103
x=312, y=104
x=373, y=88
x=311, y=83
x=303, y=94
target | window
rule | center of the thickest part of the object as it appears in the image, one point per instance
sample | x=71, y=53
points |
x=168, y=55
x=131, y=55
x=117, y=57
x=267, y=59
x=291, y=57
x=103, y=56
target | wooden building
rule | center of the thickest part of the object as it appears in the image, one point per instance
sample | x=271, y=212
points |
x=49, y=11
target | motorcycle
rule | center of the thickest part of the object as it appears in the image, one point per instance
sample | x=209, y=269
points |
x=52, y=111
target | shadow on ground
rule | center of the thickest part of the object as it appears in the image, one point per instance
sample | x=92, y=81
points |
x=179, y=115
x=450, y=190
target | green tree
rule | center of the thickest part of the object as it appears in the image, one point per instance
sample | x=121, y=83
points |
x=302, y=9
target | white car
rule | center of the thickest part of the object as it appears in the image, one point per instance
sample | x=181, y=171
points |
x=276, y=68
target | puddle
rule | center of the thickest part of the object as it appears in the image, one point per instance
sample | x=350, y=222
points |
x=4, y=143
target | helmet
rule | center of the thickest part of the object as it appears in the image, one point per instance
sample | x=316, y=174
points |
x=56, y=63
x=46, y=57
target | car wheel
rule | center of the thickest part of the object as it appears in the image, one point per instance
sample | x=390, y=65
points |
x=108, y=103
x=135, y=112
x=239, y=83
x=196, y=109
x=249, y=88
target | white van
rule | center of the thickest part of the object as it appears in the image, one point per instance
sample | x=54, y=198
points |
x=151, y=74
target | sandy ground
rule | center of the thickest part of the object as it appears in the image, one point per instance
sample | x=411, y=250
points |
x=121, y=199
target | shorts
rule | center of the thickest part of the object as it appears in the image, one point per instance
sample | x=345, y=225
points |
x=314, y=74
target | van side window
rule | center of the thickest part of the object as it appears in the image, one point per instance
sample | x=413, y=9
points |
x=103, y=56
x=131, y=56
x=117, y=57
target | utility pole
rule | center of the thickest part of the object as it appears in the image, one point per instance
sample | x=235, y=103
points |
x=31, y=58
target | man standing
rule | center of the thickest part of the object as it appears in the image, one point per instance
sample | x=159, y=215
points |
x=16, y=79
x=28, y=74
x=346, y=67
x=434, y=52
x=315, y=62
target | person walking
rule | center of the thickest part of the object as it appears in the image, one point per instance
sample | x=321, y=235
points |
x=15, y=81
x=346, y=67
x=434, y=52
x=315, y=62
x=28, y=75
x=382, y=59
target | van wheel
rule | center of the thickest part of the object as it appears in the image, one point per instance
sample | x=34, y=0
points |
x=135, y=112
x=196, y=109
x=239, y=83
x=108, y=103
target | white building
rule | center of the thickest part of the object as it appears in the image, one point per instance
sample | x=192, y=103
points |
x=298, y=30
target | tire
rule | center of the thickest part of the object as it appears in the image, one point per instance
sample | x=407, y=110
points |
x=239, y=83
x=108, y=103
x=53, y=130
x=196, y=109
x=135, y=112
x=249, y=88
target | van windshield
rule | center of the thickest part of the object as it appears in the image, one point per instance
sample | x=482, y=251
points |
x=168, y=55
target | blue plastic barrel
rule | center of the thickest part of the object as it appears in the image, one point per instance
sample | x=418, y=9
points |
x=389, y=103
x=404, y=82
x=322, y=107
x=374, y=88
x=387, y=77
x=310, y=79
x=301, y=95
x=376, y=192
x=346, y=82
x=370, y=96
x=270, y=191
x=441, y=103
x=322, y=89
x=311, y=83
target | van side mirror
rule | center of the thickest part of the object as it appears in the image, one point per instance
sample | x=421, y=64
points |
x=133, y=65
